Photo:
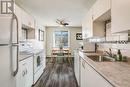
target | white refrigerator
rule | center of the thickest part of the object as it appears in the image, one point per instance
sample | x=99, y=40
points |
x=8, y=48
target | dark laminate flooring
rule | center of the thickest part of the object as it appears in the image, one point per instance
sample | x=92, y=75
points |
x=57, y=75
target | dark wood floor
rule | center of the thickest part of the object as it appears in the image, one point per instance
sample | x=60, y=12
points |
x=57, y=75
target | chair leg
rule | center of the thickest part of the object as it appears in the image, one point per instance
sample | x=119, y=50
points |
x=69, y=60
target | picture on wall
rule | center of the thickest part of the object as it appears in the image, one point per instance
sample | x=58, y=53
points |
x=41, y=35
x=79, y=36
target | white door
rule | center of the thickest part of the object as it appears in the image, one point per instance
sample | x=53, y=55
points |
x=76, y=66
x=83, y=73
x=25, y=73
x=29, y=72
x=21, y=76
x=6, y=77
x=120, y=15
x=93, y=79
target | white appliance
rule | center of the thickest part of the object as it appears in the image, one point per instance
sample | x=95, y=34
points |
x=35, y=47
x=8, y=49
x=38, y=65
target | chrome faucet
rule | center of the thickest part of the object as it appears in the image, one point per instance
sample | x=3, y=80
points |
x=109, y=53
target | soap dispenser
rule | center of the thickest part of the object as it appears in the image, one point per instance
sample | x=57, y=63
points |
x=119, y=55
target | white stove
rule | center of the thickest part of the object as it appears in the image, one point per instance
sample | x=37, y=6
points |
x=38, y=65
x=38, y=59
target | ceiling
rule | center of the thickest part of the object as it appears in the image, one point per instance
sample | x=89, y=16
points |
x=47, y=11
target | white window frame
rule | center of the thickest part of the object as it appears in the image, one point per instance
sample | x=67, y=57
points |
x=54, y=38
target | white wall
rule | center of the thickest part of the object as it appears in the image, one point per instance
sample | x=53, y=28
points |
x=73, y=42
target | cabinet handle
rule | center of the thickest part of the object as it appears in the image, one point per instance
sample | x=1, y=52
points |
x=24, y=63
x=26, y=71
x=83, y=65
x=23, y=73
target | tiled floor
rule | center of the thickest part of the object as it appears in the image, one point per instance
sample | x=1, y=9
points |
x=57, y=75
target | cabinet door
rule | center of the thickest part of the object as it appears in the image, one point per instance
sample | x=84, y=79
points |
x=21, y=76
x=31, y=21
x=76, y=65
x=27, y=19
x=84, y=30
x=100, y=7
x=87, y=25
x=94, y=79
x=83, y=74
x=25, y=74
x=120, y=15
x=29, y=72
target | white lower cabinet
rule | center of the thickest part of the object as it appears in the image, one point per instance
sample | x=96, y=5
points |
x=90, y=78
x=25, y=74
x=83, y=75
x=76, y=66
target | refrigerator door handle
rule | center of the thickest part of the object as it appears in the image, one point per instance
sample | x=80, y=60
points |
x=17, y=35
x=15, y=44
x=17, y=61
x=4, y=44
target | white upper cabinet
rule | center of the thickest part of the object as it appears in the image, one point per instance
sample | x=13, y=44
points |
x=92, y=28
x=120, y=15
x=87, y=25
x=100, y=7
x=93, y=24
x=84, y=33
x=27, y=19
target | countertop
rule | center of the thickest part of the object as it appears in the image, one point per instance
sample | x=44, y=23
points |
x=25, y=55
x=117, y=73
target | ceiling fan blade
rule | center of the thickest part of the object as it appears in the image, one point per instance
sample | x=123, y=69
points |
x=57, y=22
x=62, y=22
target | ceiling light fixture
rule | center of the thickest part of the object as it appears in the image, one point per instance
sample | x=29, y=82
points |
x=62, y=22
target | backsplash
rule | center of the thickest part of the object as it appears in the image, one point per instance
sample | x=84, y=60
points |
x=125, y=48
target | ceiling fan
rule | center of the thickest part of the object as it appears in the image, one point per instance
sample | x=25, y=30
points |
x=61, y=22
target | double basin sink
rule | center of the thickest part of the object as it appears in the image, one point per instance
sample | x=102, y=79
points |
x=101, y=58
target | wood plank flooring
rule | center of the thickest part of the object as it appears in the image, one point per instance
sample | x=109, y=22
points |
x=57, y=75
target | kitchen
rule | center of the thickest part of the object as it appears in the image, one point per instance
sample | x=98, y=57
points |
x=95, y=35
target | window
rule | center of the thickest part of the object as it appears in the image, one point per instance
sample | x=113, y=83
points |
x=24, y=34
x=61, y=38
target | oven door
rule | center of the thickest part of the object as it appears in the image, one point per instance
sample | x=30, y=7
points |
x=37, y=62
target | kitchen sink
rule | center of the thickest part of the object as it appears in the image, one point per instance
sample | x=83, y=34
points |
x=102, y=58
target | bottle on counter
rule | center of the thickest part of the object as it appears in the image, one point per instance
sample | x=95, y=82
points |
x=119, y=56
